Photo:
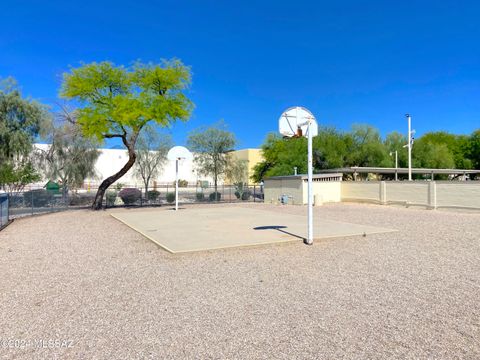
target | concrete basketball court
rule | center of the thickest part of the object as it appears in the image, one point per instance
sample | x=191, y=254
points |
x=209, y=228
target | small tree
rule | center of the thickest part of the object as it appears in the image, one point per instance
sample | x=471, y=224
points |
x=70, y=158
x=237, y=173
x=474, y=149
x=211, y=146
x=151, y=155
x=118, y=102
x=20, y=123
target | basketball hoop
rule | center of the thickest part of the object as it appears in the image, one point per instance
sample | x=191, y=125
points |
x=297, y=122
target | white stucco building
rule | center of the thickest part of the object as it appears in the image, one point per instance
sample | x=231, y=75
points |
x=111, y=161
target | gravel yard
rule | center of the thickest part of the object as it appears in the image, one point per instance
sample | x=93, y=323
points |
x=104, y=291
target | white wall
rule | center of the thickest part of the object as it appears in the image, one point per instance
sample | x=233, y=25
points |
x=111, y=160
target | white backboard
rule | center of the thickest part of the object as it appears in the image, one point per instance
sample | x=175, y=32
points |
x=296, y=118
x=179, y=153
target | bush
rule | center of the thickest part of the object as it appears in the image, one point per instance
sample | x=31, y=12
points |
x=170, y=197
x=110, y=197
x=212, y=196
x=130, y=196
x=181, y=183
x=39, y=198
x=81, y=200
x=246, y=195
x=153, y=195
x=200, y=196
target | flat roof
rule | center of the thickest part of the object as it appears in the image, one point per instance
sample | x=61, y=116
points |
x=305, y=176
x=382, y=170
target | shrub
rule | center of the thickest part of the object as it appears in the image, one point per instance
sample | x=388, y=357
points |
x=170, y=197
x=212, y=196
x=81, y=200
x=181, y=183
x=130, y=195
x=37, y=198
x=200, y=196
x=153, y=195
x=110, y=197
x=246, y=195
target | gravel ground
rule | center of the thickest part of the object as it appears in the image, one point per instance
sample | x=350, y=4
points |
x=105, y=292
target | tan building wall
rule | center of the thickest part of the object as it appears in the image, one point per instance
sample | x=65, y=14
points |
x=413, y=192
x=462, y=194
x=325, y=187
x=432, y=194
x=360, y=190
x=274, y=189
x=328, y=191
x=251, y=156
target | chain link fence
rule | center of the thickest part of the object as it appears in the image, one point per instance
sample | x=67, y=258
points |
x=40, y=200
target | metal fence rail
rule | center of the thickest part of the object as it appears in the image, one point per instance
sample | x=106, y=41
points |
x=4, y=217
x=39, y=201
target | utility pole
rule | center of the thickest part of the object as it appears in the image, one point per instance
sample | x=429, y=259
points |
x=409, y=145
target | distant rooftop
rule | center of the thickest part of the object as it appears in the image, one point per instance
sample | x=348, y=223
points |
x=383, y=170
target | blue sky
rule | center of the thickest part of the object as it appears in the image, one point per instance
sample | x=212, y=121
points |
x=347, y=61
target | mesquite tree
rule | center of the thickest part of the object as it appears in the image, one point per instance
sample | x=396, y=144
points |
x=152, y=152
x=118, y=102
x=21, y=120
x=211, y=146
x=70, y=158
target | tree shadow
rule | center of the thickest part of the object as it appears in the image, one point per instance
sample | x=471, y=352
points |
x=280, y=229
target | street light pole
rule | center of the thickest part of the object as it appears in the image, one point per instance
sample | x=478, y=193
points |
x=409, y=118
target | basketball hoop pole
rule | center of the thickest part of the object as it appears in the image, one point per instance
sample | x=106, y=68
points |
x=178, y=153
x=309, y=240
x=292, y=124
x=176, y=184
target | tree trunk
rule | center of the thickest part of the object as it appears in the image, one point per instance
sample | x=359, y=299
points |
x=97, y=203
x=215, y=184
x=147, y=181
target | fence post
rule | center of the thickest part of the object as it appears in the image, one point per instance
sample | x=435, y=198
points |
x=432, y=195
x=383, y=193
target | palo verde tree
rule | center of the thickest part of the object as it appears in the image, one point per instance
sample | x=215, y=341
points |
x=237, y=173
x=211, y=146
x=118, y=102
